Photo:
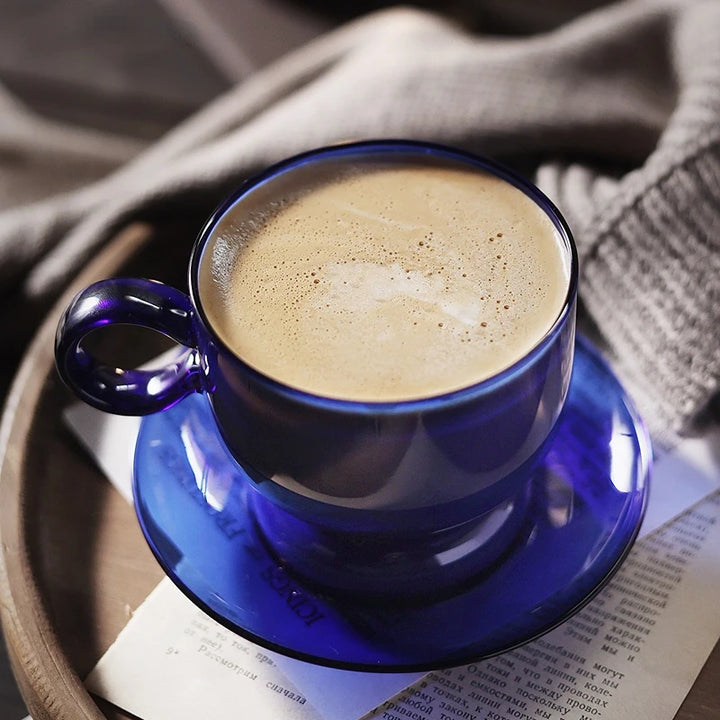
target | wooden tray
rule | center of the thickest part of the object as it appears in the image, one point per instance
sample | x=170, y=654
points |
x=73, y=563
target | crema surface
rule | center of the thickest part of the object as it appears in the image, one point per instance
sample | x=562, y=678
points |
x=383, y=282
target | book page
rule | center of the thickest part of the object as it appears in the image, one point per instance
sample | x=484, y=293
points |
x=636, y=647
x=632, y=652
x=184, y=651
x=173, y=661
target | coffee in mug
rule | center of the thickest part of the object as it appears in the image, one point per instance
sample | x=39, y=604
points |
x=384, y=332
x=381, y=281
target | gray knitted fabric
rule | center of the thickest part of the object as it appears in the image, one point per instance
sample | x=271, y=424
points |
x=615, y=112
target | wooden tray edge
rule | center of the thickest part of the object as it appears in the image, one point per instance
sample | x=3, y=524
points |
x=51, y=688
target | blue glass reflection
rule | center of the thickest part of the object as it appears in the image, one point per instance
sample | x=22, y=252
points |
x=582, y=516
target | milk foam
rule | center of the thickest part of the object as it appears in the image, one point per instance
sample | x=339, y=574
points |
x=385, y=283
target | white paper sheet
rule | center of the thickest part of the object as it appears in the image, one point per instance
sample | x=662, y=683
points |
x=632, y=653
x=593, y=665
x=162, y=688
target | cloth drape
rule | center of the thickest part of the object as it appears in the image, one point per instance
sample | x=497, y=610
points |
x=614, y=112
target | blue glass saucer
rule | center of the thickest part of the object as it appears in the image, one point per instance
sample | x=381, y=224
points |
x=590, y=496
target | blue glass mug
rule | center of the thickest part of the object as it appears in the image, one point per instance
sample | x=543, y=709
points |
x=376, y=499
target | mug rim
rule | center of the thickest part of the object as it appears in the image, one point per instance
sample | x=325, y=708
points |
x=389, y=146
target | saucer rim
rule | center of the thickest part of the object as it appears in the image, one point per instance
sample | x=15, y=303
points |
x=639, y=494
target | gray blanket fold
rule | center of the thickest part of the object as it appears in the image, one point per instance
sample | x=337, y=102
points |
x=615, y=113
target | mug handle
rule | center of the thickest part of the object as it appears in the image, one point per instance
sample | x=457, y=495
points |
x=130, y=301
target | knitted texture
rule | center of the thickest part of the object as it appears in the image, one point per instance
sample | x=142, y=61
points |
x=614, y=113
